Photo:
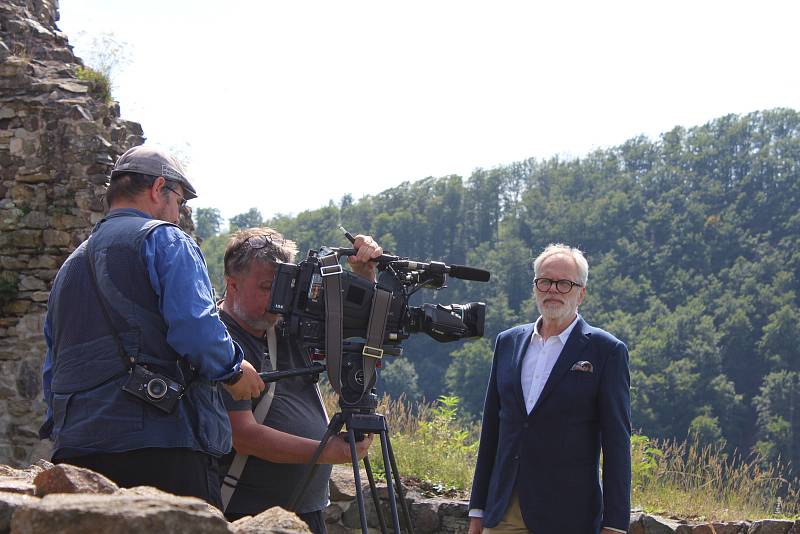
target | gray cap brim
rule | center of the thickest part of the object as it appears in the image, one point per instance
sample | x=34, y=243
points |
x=154, y=161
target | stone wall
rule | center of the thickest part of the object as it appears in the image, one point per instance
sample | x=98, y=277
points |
x=58, y=141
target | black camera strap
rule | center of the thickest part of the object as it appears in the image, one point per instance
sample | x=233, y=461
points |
x=373, y=348
x=332, y=283
x=128, y=361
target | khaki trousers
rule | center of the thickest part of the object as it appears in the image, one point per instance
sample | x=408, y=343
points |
x=512, y=522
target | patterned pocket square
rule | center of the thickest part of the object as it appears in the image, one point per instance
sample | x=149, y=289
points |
x=583, y=367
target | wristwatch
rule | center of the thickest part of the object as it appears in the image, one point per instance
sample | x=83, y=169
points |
x=234, y=378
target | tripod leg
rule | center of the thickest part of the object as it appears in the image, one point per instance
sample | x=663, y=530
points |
x=387, y=465
x=311, y=468
x=375, y=499
x=401, y=496
x=362, y=512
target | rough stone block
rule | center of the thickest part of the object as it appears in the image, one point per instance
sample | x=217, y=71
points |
x=9, y=502
x=35, y=178
x=17, y=307
x=425, y=515
x=74, y=87
x=15, y=146
x=43, y=261
x=120, y=514
x=342, y=485
x=65, y=478
x=21, y=193
x=40, y=296
x=770, y=526
x=17, y=485
x=56, y=238
x=275, y=521
x=333, y=513
x=35, y=219
x=9, y=218
x=31, y=283
x=26, y=238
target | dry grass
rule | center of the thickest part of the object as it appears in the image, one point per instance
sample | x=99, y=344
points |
x=432, y=444
x=694, y=482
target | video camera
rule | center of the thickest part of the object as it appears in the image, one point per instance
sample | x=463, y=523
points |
x=350, y=322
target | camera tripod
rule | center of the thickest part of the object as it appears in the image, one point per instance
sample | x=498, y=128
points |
x=361, y=419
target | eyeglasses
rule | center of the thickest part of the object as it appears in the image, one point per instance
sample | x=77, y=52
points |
x=182, y=202
x=562, y=286
x=256, y=242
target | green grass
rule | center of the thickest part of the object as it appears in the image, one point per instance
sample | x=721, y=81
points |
x=99, y=83
x=438, y=448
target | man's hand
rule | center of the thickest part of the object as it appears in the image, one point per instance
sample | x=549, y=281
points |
x=249, y=386
x=476, y=525
x=367, y=249
x=337, y=450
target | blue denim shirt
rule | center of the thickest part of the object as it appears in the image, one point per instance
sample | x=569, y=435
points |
x=178, y=275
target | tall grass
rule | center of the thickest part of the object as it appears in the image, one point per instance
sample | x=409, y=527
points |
x=685, y=479
x=434, y=444
x=431, y=443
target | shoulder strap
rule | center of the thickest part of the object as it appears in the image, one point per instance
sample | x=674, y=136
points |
x=127, y=361
x=236, y=469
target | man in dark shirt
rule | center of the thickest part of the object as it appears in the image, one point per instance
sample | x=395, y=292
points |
x=278, y=449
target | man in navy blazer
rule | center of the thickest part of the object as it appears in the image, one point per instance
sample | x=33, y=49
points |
x=558, y=394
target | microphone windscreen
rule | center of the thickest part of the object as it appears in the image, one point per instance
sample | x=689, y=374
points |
x=469, y=273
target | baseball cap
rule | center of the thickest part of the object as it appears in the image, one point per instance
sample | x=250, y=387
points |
x=154, y=161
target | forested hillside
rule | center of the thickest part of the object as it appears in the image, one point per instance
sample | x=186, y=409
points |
x=693, y=242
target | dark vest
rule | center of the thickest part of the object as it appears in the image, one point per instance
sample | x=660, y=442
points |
x=91, y=413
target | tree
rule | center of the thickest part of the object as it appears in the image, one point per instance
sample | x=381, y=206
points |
x=207, y=222
x=400, y=378
x=249, y=219
x=778, y=408
x=468, y=374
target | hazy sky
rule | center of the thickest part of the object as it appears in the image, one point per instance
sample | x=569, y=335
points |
x=285, y=105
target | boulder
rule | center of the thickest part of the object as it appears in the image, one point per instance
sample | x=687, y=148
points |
x=771, y=526
x=273, y=521
x=116, y=514
x=65, y=478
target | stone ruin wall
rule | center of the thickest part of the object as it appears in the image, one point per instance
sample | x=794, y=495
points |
x=58, y=141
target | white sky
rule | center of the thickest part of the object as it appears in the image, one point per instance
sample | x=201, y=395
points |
x=285, y=105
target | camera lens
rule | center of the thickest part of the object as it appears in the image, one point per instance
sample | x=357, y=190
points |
x=156, y=389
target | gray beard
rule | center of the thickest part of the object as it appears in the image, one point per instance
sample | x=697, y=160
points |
x=551, y=314
x=258, y=323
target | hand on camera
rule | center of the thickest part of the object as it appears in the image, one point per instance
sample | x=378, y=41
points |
x=368, y=250
x=337, y=450
x=249, y=385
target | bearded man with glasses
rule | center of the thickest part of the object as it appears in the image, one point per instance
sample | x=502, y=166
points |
x=136, y=352
x=272, y=451
x=558, y=395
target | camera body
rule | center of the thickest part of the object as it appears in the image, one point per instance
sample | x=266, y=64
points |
x=298, y=295
x=155, y=389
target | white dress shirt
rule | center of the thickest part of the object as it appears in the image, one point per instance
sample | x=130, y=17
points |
x=539, y=360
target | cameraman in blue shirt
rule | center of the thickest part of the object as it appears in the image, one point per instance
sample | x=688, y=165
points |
x=135, y=348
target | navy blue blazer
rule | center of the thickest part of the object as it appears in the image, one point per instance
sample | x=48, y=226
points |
x=552, y=455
